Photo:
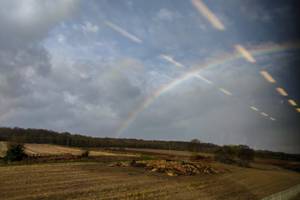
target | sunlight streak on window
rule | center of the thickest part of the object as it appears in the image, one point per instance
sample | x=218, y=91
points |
x=208, y=14
x=264, y=114
x=123, y=32
x=267, y=76
x=292, y=102
x=171, y=60
x=254, y=108
x=203, y=79
x=225, y=91
x=245, y=53
x=281, y=91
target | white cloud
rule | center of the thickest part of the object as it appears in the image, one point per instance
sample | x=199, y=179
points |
x=69, y=98
x=35, y=12
x=88, y=27
x=61, y=38
x=166, y=14
x=27, y=21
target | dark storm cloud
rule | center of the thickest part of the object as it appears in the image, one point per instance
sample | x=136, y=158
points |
x=261, y=21
x=22, y=57
x=63, y=68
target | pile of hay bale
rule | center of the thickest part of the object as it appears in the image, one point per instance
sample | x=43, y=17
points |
x=171, y=168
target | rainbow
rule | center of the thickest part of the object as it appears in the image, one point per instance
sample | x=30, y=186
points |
x=220, y=60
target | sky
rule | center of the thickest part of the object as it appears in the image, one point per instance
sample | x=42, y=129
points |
x=159, y=69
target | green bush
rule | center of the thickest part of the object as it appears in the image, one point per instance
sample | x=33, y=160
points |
x=245, y=153
x=241, y=155
x=225, y=154
x=15, y=152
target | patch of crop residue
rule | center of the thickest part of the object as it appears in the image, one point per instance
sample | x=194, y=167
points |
x=173, y=168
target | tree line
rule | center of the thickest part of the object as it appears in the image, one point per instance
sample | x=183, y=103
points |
x=43, y=136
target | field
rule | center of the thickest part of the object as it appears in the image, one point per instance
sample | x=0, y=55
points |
x=49, y=149
x=98, y=181
x=95, y=179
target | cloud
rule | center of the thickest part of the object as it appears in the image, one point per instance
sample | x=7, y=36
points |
x=61, y=38
x=23, y=59
x=167, y=15
x=31, y=20
x=89, y=27
x=100, y=102
x=60, y=69
x=257, y=13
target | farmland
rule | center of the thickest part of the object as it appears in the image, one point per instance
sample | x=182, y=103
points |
x=96, y=179
x=49, y=149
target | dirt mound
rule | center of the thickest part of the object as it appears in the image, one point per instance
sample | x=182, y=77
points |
x=172, y=168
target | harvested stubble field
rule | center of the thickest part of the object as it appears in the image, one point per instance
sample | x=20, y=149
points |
x=99, y=181
x=49, y=150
